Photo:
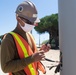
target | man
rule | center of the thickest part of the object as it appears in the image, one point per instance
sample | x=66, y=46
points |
x=19, y=55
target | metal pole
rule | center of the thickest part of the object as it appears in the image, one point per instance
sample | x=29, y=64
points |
x=39, y=40
x=67, y=35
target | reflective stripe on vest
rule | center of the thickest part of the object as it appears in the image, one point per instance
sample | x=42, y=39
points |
x=30, y=69
x=38, y=64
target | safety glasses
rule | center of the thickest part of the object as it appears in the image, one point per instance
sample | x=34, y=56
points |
x=28, y=22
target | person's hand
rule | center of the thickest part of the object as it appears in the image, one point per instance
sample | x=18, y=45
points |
x=38, y=56
x=45, y=47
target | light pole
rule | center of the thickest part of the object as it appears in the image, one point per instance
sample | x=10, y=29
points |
x=39, y=40
x=31, y=31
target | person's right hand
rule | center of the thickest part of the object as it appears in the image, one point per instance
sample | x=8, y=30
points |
x=45, y=47
x=38, y=56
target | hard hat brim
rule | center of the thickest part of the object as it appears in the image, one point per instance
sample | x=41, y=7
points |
x=37, y=20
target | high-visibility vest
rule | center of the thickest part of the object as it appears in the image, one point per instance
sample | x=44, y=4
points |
x=24, y=51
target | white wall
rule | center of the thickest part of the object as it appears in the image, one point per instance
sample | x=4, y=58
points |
x=67, y=32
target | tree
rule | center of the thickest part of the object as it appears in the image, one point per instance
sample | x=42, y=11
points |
x=49, y=24
x=1, y=36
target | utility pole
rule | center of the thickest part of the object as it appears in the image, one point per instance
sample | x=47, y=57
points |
x=39, y=40
x=31, y=31
x=67, y=35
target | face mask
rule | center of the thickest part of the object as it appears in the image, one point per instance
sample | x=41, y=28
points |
x=27, y=27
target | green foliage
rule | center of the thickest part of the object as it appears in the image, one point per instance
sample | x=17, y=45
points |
x=45, y=41
x=1, y=36
x=48, y=24
x=53, y=43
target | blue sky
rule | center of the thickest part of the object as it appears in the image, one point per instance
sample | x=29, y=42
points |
x=7, y=14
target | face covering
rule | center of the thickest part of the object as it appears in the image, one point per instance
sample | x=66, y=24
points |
x=27, y=27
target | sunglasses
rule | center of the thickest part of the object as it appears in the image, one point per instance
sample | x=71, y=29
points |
x=28, y=22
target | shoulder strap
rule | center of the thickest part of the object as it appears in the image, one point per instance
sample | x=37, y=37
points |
x=33, y=41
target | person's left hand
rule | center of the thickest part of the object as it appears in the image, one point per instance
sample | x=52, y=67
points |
x=45, y=47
